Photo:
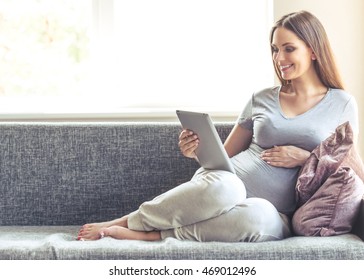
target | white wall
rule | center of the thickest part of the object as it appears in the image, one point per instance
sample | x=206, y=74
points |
x=344, y=23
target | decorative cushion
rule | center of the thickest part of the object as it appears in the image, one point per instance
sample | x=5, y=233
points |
x=330, y=187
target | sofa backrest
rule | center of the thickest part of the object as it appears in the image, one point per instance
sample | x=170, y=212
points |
x=75, y=173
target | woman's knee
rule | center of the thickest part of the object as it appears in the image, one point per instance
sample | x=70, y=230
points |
x=223, y=186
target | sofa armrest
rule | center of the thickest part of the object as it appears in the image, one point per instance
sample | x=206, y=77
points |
x=359, y=224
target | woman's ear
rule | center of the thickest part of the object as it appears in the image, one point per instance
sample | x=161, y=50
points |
x=313, y=56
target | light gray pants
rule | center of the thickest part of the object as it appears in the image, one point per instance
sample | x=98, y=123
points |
x=211, y=207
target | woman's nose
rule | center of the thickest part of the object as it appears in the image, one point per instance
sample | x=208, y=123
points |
x=278, y=56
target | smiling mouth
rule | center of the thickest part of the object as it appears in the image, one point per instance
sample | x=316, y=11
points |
x=285, y=67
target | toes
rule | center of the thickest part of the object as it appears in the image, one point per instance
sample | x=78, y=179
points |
x=83, y=234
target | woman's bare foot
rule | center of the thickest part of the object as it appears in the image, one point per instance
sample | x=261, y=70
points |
x=92, y=231
x=119, y=232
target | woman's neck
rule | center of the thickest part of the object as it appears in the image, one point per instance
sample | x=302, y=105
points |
x=306, y=87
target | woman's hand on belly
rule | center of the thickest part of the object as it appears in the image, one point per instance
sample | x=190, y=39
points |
x=285, y=156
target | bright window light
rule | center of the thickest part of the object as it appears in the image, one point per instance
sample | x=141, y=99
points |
x=44, y=47
x=113, y=56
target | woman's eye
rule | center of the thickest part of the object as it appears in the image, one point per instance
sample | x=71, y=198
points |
x=290, y=49
x=275, y=50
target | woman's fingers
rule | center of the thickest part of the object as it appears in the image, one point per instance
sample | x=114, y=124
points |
x=188, y=142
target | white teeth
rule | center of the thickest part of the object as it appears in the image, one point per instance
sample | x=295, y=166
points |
x=285, y=66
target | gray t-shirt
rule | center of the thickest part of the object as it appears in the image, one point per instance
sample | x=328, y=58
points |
x=263, y=115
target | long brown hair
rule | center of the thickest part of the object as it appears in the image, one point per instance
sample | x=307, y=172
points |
x=310, y=30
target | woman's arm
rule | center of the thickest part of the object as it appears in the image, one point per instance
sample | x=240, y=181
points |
x=238, y=140
x=289, y=156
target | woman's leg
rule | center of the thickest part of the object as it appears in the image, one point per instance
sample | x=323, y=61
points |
x=207, y=195
x=255, y=220
x=119, y=232
x=93, y=231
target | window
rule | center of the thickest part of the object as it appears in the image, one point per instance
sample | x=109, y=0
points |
x=106, y=56
x=44, y=53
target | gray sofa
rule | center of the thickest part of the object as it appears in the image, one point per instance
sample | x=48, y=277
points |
x=55, y=177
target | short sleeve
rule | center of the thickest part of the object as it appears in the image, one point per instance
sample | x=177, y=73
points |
x=350, y=114
x=246, y=117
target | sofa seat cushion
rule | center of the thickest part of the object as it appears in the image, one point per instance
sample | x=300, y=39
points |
x=46, y=243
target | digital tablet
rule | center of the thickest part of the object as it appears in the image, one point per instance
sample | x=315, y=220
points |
x=210, y=153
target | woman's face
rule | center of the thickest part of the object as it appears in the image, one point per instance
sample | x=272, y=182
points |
x=291, y=55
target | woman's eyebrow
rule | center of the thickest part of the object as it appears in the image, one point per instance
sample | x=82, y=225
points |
x=283, y=45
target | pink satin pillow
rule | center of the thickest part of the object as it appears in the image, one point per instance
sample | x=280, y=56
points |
x=330, y=187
